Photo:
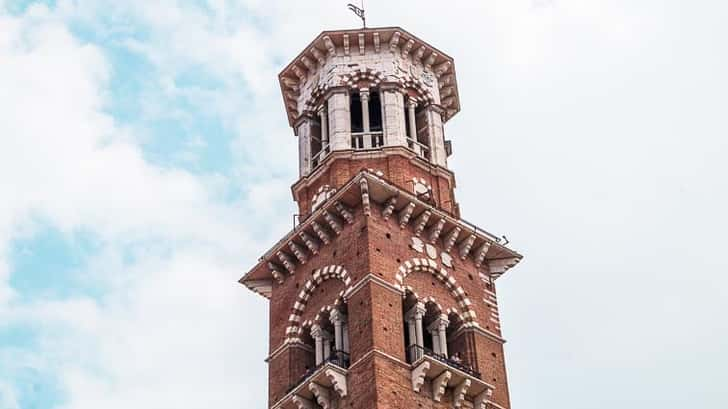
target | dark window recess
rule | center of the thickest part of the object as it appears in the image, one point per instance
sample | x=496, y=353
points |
x=421, y=124
x=315, y=137
x=357, y=125
x=375, y=112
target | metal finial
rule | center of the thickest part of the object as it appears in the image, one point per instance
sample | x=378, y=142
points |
x=359, y=11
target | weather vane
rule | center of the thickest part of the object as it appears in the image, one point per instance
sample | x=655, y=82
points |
x=359, y=11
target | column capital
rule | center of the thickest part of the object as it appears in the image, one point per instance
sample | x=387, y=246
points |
x=411, y=102
x=318, y=332
x=337, y=317
x=416, y=312
x=439, y=324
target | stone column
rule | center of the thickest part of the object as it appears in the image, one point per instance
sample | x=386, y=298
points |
x=339, y=121
x=324, y=116
x=411, y=105
x=415, y=316
x=442, y=334
x=364, y=97
x=438, y=330
x=317, y=334
x=338, y=319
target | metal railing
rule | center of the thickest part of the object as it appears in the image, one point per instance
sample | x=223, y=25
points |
x=416, y=352
x=367, y=140
x=338, y=358
x=420, y=149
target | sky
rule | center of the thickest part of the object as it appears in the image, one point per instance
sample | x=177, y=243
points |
x=146, y=164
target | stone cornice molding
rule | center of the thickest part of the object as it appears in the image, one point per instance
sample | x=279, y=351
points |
x=351, y=154
x=378, y=191
x=414, y=61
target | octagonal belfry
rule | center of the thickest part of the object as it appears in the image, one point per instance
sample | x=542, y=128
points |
x=381, y=296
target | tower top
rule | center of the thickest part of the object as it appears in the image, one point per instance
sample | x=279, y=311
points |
x=386, y=56
x=381, y=296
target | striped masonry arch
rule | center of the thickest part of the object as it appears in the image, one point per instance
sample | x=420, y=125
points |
x=426, y=265
x=294, y=329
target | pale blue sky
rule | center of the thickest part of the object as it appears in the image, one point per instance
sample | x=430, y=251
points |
x=146, y=163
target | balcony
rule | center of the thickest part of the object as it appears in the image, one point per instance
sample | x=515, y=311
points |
x=422, y=150
x=447, y=375
x=320, y=385
x=320, y=156
x=367, y=140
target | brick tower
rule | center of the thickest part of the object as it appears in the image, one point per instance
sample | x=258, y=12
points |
x=381, y=296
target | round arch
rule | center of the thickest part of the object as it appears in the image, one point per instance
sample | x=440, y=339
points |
x=426, y=265
x=294, y=329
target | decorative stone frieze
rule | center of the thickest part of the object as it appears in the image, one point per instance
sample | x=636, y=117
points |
x=481, y=253
x=338, y=381
x=333, y=222
x=481, y=401
x=389, y=207
x=451, y=237
x=364, y=187
x=322, y=394
x=439, y=385
x=459, y=393
x=310, y=242
x=298, y=252
x=303, y=403
x=344, y=212
x=435, y=231
x=466, y=245
x=405, y=214
x=321, y=233
x=417, y=245
x=446, y=259
x=418, y=375
x=287, y=262
x=421, y=222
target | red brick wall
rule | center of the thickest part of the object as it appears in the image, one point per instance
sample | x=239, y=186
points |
x=372, y=245
x=398, y=169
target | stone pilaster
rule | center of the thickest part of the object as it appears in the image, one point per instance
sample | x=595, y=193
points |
x=394, y=126
x=339, y=121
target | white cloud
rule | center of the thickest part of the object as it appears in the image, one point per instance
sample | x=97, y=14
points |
x=170, y=322
x=591, y=133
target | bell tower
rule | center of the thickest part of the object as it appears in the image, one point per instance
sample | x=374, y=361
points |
x=381, y=296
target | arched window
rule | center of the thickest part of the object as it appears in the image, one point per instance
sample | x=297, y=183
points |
x=418, y=137
x=355, y=113
x=319, y=136
x=375, y=111
x=331, y=338
x=435, y=323
x=365, y=110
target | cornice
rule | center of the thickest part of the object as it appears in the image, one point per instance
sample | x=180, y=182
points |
x=284, y=257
